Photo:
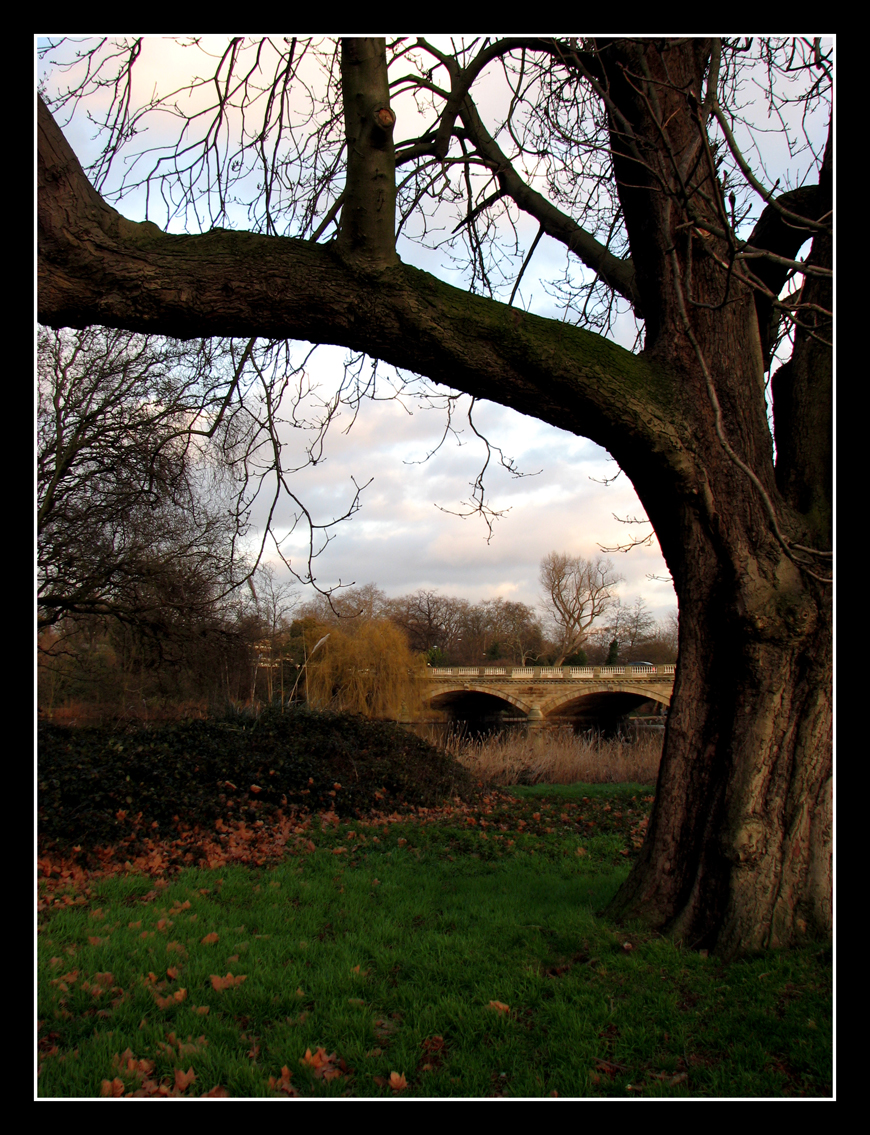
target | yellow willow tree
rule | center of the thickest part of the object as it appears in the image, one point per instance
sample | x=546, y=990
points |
x=366, y=668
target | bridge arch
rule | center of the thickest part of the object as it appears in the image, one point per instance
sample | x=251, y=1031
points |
x=630, y=694
x=447, y=695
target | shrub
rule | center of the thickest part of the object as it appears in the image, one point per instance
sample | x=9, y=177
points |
x=92, y=781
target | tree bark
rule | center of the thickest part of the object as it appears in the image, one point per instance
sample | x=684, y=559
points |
x=738, y=853
x=367, y=233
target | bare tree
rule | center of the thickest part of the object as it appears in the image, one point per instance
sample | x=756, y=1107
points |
x=132, y=518
x=514, y=630
x=576, y=593
x=661, y=645
x=431, y=621
x=362, y=602
x=641, y=159
x=273, y=603
x=630, y=625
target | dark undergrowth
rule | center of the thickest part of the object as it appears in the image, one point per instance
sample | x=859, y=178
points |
x=103, y=785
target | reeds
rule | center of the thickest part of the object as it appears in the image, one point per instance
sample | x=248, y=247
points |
x=559, y=756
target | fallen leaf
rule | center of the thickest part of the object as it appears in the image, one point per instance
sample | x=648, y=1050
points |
x=321, y=1063
x=227, y=982
x=184, y=1079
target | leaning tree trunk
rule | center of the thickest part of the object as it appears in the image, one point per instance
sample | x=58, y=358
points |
x=738, y=853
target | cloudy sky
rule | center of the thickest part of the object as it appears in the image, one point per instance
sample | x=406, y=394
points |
x=401, y=539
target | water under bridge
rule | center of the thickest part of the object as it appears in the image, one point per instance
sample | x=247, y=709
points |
x=541, y=695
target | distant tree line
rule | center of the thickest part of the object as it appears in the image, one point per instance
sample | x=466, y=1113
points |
x=451, y=631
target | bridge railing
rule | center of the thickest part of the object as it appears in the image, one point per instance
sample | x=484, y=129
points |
x=565, y=673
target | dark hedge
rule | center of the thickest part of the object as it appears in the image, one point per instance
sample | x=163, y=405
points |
x=190, y=774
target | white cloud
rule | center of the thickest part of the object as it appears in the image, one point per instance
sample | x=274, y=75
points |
x=402, y=542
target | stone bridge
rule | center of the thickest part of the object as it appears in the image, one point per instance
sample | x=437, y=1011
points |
x=602, y=694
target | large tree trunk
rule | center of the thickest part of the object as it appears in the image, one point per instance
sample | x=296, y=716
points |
x=738, y=854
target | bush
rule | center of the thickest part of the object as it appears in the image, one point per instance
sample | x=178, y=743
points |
x=91, y=781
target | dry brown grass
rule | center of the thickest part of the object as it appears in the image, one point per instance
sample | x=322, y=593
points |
x=559, y=757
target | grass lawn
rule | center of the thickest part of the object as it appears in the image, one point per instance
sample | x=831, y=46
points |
x=451, y=952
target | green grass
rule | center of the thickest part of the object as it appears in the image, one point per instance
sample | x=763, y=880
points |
x=458, y=949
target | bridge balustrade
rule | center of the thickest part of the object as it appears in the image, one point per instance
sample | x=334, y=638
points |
x=534, y=673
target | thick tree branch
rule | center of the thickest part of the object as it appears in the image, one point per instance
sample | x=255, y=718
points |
x=97, y=267
x=617, y=274
x=776, y=232
x=803, y=387
x=368, y=214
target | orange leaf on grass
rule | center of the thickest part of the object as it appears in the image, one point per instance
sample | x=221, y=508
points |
x=283, y=1084
x=184, y=1079
x=209, y=939
x=500, y=1007
x=316, y=1060
x=227, y=982
x=172, y=999
x=396, y=1081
